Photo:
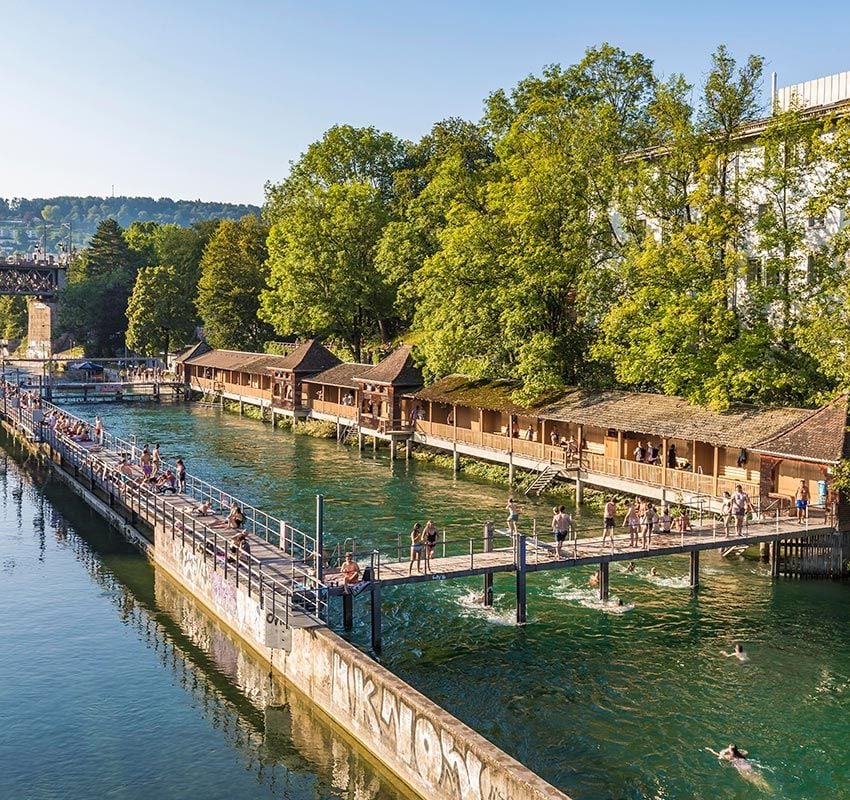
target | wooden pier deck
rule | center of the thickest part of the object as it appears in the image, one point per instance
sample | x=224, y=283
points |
x=540, y=554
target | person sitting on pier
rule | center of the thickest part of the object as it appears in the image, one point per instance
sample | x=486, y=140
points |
x=235, y=519
x=239, y=544
x=205, y=509
x=350, y=572
x=167, y=483
x=683, y=521
x=666, y=520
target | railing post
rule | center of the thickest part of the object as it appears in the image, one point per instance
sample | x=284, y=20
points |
x=471, y=553
x=320, y=537
x=488, y=576
x=520, y=580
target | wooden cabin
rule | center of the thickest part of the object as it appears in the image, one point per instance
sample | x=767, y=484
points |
x=333, y=393
x=382, y=388
x=288, y=374
x=232, y=374
x=697, y=452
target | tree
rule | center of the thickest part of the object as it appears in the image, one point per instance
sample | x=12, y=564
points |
x=512, y=286
x=327, y=220
x=159, y=312
x=233, y=275
x=92, y=306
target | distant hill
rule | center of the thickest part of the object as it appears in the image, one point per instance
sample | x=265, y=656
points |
x=23, y=222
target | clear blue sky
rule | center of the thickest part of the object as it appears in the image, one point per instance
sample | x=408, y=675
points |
x=208, y=100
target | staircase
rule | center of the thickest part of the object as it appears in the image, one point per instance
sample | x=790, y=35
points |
x=543, y=480
x=346, y=431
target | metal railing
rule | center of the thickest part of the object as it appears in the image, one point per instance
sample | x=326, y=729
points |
x=304, y=591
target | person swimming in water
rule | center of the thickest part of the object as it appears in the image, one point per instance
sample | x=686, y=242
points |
x=740, y=760
x=653, y=572
x=737, y=652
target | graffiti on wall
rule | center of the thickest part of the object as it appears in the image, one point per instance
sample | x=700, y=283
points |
x=428, y=749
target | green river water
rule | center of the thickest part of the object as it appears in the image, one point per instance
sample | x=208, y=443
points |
x=99, y=684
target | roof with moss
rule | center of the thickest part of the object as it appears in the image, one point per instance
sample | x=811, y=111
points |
x=491, y=394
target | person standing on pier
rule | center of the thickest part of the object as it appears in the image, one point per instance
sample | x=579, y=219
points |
x=156, y=459
x=726, y=513
x=740, y=506
x=417, y=544
x=98, y=431
x=181, y=475
x=430, y=537
x=562, y=524
x=513, y=515
x=802, y=501
x=632, y=522
x=145, y=461
x=609, y=519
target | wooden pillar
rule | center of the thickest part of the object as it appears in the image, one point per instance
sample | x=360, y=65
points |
x=694, y=571
x=619, y=452
x=774, y=560
x=664, y=446
x=392, y=449
x=716, y=470
x=347, y=611
x=455, y=458
x=408, y=446
x=603, y=580
x=359, y=438
x=511, y=469
x=375, y=615
x=520, y=581
x=488, y=577
x=580, y=442
x=579, y=489
x=241, y=410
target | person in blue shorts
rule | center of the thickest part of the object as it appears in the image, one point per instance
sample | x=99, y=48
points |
x=802, y=498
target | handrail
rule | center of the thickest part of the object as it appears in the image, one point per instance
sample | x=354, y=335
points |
x=305, y=590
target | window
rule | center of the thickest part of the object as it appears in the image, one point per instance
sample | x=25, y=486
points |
x=755, y=273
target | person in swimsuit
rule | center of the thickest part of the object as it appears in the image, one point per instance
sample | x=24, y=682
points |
x=416, y=547
x=737, y=652
x=513, y=515
x=562, y=523
x=802, y=501
x=648, y=524
x=726, y=513
x=145, y=461
x=235, y=519
x=350, y=572
x=739, y=759
x=430, y=537
x=632, y=522
x=181, y=475
x=609, y=519
x=156, y=459
x=204, y=509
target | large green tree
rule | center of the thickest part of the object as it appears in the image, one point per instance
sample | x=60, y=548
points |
x=327, y=220
x=92, y=306
x=233, y=275
x=160, y=312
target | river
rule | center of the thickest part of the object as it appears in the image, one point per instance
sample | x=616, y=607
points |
x=604, y=702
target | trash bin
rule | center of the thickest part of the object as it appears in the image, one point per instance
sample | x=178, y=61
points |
x=821, y=493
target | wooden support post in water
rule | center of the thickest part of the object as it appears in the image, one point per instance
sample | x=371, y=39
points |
x=455, y=458
x=488, y=576
x=520, y=581
x=694, y=571
x=603, y=580
x=347, y=611
x=375, y=614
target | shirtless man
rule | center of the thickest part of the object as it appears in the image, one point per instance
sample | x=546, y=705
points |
x=802, y=501
x=632, y=522
x=609, y=520
x=145, y=461
x=350, y=572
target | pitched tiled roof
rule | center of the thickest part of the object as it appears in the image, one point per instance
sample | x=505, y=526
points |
x=311, y=356
x=192, y=350
x=340, y=375
x=672, y=417
x=491, y=395
x=397, y=369
x=819, y=437
x=253, y=363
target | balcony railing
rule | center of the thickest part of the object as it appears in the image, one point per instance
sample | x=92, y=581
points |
x=697, y=483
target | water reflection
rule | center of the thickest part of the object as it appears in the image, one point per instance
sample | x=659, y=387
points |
x=277, y=735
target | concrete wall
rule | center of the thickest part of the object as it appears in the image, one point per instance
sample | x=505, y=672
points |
x=429, y=749
x=39, y=328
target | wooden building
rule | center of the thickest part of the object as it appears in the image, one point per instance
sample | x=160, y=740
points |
x=381, y=392
x=288, y=375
